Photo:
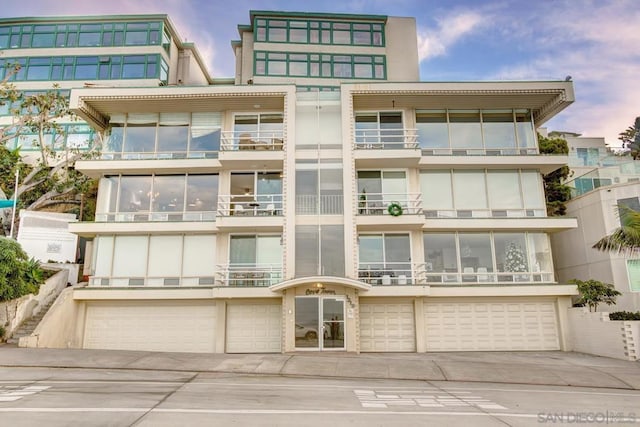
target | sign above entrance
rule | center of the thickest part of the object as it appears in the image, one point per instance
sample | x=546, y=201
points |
x=320, y=291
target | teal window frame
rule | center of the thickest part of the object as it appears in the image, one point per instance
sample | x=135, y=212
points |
x=319, y=32
x=633, y=270
x=106, y=67
x=340, y=66
x=59, y=140
x=5, y=110
x=71, y=35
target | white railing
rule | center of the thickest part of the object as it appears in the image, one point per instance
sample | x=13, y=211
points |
x=484, y=213
x=390, y=139
x=248, y=274
x=482, y=275
x=505, y=151
x=159, y=155
x=255, y=205
x=384, y=204
x=143, y=216
x=393, y=273
x=151, y=281
x=309, y=204
x=272, y=140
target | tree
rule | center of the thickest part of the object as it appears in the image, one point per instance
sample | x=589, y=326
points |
x=19, y=275
x=51, y=182
x=630, y=138
x=514, y=259
x=556, y=193
x=593, y=292
x=626, y=238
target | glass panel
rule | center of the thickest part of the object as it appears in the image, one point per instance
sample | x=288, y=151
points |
x=135, y=38
x=168, y=194
x=397, y=252
x=341, y=37
x=269, y=250
x=165, y=256
x=205, y=132
x=369, y=190
x=202, y=192
x=633, y=268
x=469, y=190
x=332, y=250
x=277, y=35
x=498, y=129
x=130, y=256
x=524, y=129
x=440, y=256
x=475, y=252
x=89, y=39
x=114, y=142
x=394, y=186
x=504, y=189
x=307, y=321
x=333, y=323
x=331, y=194
x=173, y=138
x=298, y=35
x=140, y=138
x=362, y=38
x=43, y=40
x=511, y=255
x=370, y=250
x=307, y=250
x=532, y=190
x=298, y=69
x=540, y=253
x=242, y=250
x=307, y=201
x=133, y=71
x=135, y=193
x=465, y=129
x=433, y=130
x=436, y=190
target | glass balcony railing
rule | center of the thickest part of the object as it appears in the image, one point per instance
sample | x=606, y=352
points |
x=272, y=140
x=141, y=216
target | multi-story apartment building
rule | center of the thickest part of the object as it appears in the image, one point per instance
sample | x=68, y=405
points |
x=326, y=200
x=91, y=51
x=600, y=182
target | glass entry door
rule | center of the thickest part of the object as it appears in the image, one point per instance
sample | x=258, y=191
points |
x=319, y=323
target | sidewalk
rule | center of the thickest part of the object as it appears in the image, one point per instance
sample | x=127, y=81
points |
x=538, y=368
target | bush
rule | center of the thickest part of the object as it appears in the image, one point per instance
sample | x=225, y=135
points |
x=624, y=315
x=3, y=333
x=19, y=275
x=593, y=292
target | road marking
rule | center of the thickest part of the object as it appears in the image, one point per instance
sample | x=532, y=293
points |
x=13, y=393
x=383, y=399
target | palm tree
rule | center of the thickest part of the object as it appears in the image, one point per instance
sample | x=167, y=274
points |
x=626, y=238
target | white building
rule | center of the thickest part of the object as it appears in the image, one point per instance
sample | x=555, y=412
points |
x=600, y=182
x=326, y=199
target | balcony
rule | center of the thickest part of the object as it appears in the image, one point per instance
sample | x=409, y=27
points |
x=150, y=281
x=248, y=275
x=324, y=204
x=481, y=276
x=244, y=148
x=248, y=211
x=378, y=211
x=392, y=274
x=155, y=216
x=391, y=147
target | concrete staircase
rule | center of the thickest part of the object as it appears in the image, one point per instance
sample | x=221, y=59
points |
x=30, y=324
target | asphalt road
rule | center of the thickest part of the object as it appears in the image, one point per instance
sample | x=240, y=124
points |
x=103, y=397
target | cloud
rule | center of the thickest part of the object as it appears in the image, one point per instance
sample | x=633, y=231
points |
x=448, y=31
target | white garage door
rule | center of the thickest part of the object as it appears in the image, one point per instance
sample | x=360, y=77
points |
x=458, y=326
x=254, y=328
x=151, y=327
x=387, y=327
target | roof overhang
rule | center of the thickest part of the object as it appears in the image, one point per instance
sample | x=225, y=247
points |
x=545, y=99
x=325, y=280
x=96, y=105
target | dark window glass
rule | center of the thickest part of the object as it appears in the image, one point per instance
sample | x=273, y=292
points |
x=89, y=39
x=133, y=71
x=43, y=40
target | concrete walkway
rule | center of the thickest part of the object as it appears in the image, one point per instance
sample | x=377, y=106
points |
x=538, y=368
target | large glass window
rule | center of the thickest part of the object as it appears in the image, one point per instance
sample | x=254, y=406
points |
x=436, y=189
x=168, y=193
x=384, y=256
x=319, y=32
x=469, y=189
x=433, y=129
x=441, y=255
x=511, y=254
x=633, y=268
x=504, y=189
x=135, y=194
x=475, y=253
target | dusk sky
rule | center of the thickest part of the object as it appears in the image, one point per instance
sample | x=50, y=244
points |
x=596, y=42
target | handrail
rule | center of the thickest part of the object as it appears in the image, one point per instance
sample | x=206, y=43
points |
x=250, y=205
x=379, y=203
x=270, y=140
x=248, y=274
x=391, y=273
x=376, y=139
x=485, y=213
x=153, y=216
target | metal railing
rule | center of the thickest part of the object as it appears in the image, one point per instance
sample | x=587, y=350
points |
x=383, y=203
x=505, y=151
x=310, y=204
x=386, y=139
x=483, y=276
x=253, y=205
x=159, y=155
x=248, y=275
x=272, y=140
x=392, y=273
x=150, y=281
x=145, y=216
x=484, y=213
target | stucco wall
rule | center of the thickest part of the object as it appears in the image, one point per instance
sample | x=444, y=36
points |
x=594, y=333
x=59, y=327
x=14, y=313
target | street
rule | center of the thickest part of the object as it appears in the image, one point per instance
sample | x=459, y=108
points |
x=31, y=396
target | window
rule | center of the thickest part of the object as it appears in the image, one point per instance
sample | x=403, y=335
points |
x=384, y=256
x=633, y=269
x=315, y=65
x=318, y=32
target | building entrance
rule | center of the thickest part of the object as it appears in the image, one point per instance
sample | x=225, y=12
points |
x=320, y=323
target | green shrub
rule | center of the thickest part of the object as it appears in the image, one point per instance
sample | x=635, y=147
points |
x=3, y=332
x=624, y=315
x=593, y=292
x=19, y=275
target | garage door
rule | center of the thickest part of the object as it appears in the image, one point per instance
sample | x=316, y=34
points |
x=151, y=327
x=387, y=327
x=254, y=328
x=458, y=326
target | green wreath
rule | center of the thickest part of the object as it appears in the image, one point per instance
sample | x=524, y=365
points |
x=394, y=209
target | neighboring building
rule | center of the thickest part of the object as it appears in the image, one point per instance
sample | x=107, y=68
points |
x=600, y=181
x=328, y=200
x=92, y=51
